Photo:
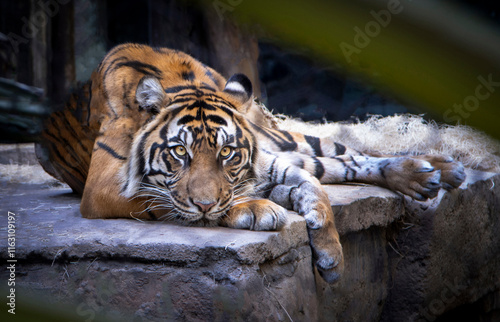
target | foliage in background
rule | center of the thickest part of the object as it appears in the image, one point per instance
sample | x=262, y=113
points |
x=427, y=53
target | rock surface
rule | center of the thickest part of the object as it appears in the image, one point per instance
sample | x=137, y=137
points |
x=404, y=260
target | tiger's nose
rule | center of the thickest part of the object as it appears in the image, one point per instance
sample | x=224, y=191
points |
x=204, y=206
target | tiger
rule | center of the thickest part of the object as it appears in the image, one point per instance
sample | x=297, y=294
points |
x=157, y=135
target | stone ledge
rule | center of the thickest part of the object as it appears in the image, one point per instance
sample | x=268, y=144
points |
x=54, y=227
x=51, y=225
x=359, y=207
x=399, y=256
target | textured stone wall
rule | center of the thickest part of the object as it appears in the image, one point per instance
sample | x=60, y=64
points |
x=404, y=260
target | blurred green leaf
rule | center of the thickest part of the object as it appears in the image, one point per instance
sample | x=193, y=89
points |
x=429, y=54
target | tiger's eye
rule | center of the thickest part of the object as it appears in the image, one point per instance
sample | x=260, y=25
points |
x=180, y=150
x=225, y=152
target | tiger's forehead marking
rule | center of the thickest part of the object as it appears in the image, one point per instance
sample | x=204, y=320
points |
x=201, y=123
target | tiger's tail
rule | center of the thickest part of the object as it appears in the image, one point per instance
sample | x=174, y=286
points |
x=66, y=143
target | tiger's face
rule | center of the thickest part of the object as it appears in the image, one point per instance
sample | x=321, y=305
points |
x=189, y=160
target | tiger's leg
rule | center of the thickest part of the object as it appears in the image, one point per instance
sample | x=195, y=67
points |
x=352, y=166
x=418, y=177
x=293, y=188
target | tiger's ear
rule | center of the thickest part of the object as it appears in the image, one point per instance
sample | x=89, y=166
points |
x=240, y=88
x=150, y=94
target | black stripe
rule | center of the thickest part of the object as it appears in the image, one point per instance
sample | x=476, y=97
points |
x=382, y=170
x=271, y=169
x=193, y=95
x=79, y=183
x=340, y=160
x=226, y=110
x=108, y=149
x=290, y=194
x=188, y=76
x=125, y=186
x=217, y=99
x=198, y=104
x=282, y=144
x=226, y=201
x=152, y=215
x=291, y=142
x=339, y=149
x=180, y=202
x=111, y=64
x=126, y=89
x=211, y=76
x=152, y=151
x=111, y=53
x=141, y=67
x=176, y=89
x=216, y=119
x=186, y=119
x=164, y=157
x=319, y=170
x=76, y=136
x=315, y=144
x=354, y=173
x=104, y=77
x=201, y=104
x=64, y=159
x=207, y=87
x=186, y=63
x=354, y=162
x=181, y=100
x=174, y=112
x=268, y=189
x=284, y=175
x=75, y=155
x=235, y=174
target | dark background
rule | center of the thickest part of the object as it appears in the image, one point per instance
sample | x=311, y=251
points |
x=53, y=44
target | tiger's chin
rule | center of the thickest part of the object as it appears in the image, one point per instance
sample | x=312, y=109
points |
x=199, y=219
x=203, y=222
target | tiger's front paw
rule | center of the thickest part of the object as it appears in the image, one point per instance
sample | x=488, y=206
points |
x=256, y=214
x=416, y=178
x=330, y=263
x=452, y=172
x=327, y=252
